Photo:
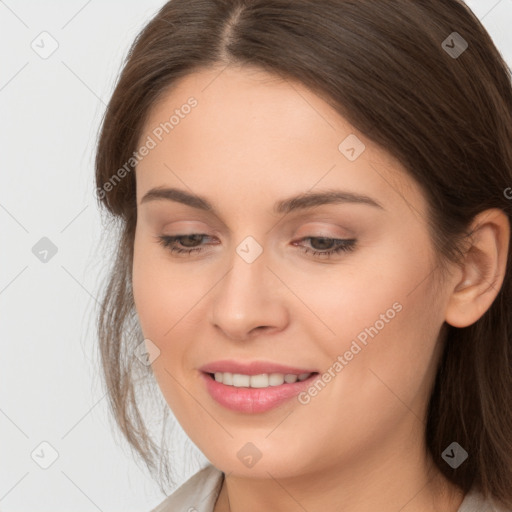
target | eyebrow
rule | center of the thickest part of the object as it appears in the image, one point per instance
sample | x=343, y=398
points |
x=299, y=202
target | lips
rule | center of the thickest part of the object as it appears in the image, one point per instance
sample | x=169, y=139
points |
x=253, y=399
x=253, y=368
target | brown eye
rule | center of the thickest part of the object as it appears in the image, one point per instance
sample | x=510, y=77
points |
x=190, y=240
x=188, y=243
x=326, y=247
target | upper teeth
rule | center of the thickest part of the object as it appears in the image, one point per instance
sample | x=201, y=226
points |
x=263, y=380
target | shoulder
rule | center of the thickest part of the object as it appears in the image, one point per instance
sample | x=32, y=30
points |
x=475, y=502
x=197, y=494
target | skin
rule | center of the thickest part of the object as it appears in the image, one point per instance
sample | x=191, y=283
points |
x=358, y=445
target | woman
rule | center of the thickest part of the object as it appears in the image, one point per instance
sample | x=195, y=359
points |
x=313, y=255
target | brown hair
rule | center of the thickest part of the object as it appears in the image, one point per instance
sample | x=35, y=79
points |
x=384, y=67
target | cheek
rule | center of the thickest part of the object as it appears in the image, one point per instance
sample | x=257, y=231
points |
x=388, y=353
x=146, y=292
x=163, y=292
x=383, y=316
x=161, y=301
x=387, y=361
x=345, y=298
x=168, y=301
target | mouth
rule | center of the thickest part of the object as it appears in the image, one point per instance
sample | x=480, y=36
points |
x=251, y=394
x=260, y=381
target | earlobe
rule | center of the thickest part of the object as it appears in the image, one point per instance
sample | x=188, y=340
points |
x=483, y=269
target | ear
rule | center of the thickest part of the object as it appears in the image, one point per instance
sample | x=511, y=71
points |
x=483, y=269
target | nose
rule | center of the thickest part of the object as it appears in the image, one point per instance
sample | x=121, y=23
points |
x=249, y=300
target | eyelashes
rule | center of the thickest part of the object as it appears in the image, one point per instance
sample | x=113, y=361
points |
x=174, y=244
x=339, y=245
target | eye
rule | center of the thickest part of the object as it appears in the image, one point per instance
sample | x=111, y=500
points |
x=187, y=241
x=325, y=247
x=328, y=246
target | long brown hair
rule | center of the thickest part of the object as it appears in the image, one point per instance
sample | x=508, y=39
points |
x=386, y=67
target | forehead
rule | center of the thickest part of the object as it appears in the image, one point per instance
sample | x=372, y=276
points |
x=256, y=132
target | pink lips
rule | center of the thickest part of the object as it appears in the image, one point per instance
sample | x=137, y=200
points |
x=253, y=400
x=252, y=368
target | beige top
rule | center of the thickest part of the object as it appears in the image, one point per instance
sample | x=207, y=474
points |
x=199, y=494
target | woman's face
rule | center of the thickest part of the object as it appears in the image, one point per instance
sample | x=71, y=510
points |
x=366, y=318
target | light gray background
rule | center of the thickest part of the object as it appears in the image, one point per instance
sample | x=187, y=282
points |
x=50, y=391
